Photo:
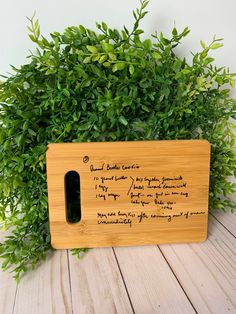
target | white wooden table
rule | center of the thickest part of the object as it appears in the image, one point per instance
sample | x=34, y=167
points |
x=183, y=278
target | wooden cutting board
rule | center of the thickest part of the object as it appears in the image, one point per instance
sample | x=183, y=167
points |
x=128, y=193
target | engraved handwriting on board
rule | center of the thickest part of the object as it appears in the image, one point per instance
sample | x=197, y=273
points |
x=161, y=194
x=132, y=193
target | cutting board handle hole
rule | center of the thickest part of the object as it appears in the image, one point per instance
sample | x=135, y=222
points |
x=72, y=192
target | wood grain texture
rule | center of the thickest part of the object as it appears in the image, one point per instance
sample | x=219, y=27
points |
x=97, y=285
x=132, y=193
x=207, y=271
x=8, y=289
x=227, y=220
x=47, y=289
x=150, y=282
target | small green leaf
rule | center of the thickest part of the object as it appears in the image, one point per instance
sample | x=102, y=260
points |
x=185, y=71
x=82, y=29
x=134, y=15
x=156, y=55
x=85, y=126
x=84, y=105
x=108, y=47
x=118, y=66
x=31, y=132
x=112, y=56
x=188, y=110
x=102, y=59
x=203, y=44
x=123, y=120
x=19, y=139
x=138, y=32
x=131, y=69
x=145, y=108
x=66, y=92
x=107, y=64
x=164, y=40
x=126, y=31
x=104, y=26
x=147, y=44
x=96, y=58
x=174, y=32
x=216, y=46
x=87, y=60
x=208, y=60
x=37, y=31
x=92, y=49
x=32, y=38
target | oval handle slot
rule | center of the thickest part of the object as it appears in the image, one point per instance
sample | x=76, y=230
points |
x=72, y=192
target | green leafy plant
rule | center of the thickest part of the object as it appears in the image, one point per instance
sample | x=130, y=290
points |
x=109, y=85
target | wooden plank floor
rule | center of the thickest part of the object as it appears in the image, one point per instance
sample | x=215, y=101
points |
x=181, y=278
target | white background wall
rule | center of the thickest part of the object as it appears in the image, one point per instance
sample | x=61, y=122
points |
x=205, y=18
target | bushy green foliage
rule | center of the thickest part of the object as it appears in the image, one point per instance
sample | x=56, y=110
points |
x=107, y=86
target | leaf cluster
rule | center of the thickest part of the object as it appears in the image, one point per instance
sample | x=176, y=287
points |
x=109, y=85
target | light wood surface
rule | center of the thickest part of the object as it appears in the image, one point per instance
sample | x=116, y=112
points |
x=7, y=289
x=167, y=279
x=47, y=289
x=228, y=221
x=144, y=268
x=132, y=193
x=97, y=284
x=207, y=271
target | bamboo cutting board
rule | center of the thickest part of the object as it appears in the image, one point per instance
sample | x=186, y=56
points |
x=128, y=193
